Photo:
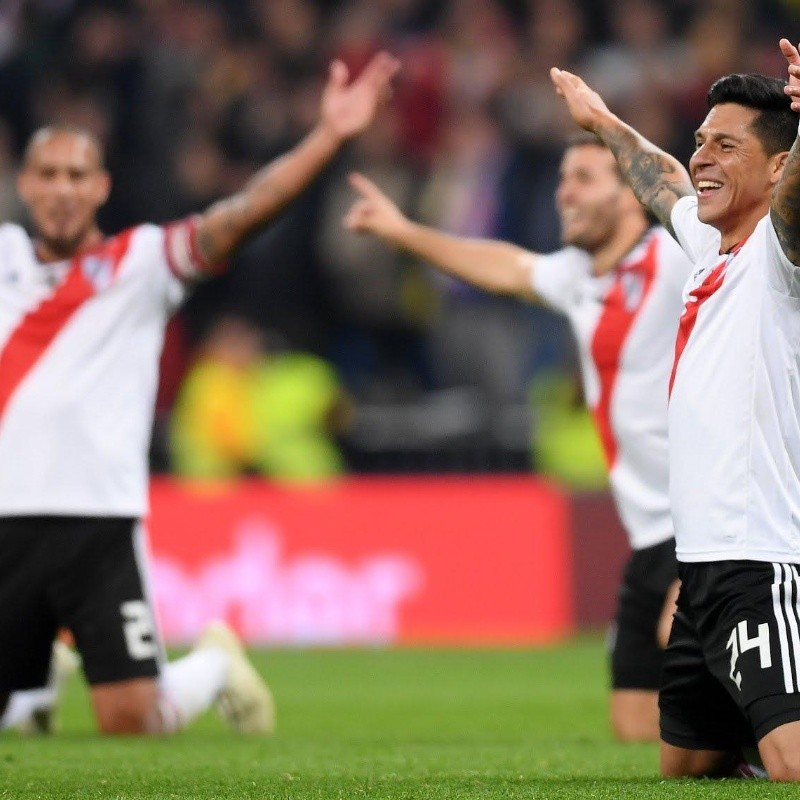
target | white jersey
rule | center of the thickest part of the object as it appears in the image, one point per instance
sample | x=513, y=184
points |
x=625, y=324
x=79, y=349
x=734, y=410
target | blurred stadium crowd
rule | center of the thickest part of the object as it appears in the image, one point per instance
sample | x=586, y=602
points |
x=404, y=370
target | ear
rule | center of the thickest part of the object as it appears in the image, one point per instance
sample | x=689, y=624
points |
x=103, y=188
x=23, y=186
x=629, y=201
x=777, y=165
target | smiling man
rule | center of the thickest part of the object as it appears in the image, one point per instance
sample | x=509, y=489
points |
x=731, y=672
x=82, y=320
x=619, y=283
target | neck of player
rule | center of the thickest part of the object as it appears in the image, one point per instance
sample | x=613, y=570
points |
x=625, y=237
x=49, y=250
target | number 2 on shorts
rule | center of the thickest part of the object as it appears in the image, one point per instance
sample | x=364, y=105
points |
x=139, y=630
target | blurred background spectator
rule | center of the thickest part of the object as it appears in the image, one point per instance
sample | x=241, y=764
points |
x=249, y=405
x=190, y=96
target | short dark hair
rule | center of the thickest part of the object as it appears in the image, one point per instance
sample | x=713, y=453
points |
x=776, y=125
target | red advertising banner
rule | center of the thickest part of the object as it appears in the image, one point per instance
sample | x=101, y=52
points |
x=375, y=560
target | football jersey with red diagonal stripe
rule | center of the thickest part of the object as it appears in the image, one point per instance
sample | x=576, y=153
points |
x=734, y=411
x=625, y=324
x=79, y=348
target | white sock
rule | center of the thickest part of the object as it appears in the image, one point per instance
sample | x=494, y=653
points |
x=190, y=685
x=22, y=704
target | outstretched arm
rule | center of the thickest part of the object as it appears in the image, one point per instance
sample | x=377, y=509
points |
x=346, y=110
x=785, y=205
x=657, y=179
x=497, y=267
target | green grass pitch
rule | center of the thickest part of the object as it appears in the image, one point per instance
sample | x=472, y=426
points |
x=378, y=724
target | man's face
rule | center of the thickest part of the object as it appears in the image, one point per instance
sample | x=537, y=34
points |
x=63, y=184
x=732, y=174
x=590, y=196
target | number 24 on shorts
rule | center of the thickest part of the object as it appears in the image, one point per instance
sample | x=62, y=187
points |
x=739, y=642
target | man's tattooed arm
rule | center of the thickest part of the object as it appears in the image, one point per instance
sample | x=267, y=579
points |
x=347, y=108
x=658, y=180
x=230, y=221
x=785, y=207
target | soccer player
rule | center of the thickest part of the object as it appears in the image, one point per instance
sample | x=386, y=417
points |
x=81, y=326
x=619, y=282
x=732, y=669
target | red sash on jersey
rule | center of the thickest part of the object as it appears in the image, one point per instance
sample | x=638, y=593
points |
x=700, y=293
x=36, y=331
x=621, y=305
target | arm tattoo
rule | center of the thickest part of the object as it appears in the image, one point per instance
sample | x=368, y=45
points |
x=785, y=207
x=230, y=221
x=656, y=179
x=222, y=228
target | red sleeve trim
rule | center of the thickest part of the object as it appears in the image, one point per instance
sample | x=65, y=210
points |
x=183, y=254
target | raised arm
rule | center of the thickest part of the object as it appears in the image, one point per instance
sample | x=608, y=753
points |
x=497, y=267
x=785, y=205
x=657, y=179
x=346, y=109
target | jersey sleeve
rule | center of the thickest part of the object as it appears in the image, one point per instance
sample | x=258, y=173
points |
x=165, y=262
x=553, y=277
x=182, y=252
x=695, y=237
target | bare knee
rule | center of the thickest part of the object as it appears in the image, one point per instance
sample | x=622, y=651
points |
x=787, y=770
x=127, y=707
x=630, y=729
x=780, y=752
x=634, y=715
x=678, y=762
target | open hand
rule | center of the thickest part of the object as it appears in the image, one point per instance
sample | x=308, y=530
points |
x=793, y=58
x=584, y=104
x=348, y=108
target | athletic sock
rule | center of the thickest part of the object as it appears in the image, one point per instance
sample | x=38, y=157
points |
x=22, y=704
x=190, y=685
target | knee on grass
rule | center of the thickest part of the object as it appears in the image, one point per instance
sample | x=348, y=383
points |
x=128, y=707
x=681, y=763
x=781, y=763
x=631, y=729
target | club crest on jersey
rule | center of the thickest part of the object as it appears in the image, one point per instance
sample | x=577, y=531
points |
x=632, y=283
x=98, y=270
x=10, y=276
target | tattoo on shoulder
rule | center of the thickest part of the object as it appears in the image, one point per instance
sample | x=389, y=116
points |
x=785, y=208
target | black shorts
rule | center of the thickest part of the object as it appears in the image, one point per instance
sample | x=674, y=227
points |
x=84, y=574
x=636, y=657
x=732, y=672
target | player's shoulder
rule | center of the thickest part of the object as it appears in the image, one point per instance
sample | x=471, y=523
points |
x=670, y=256
x=142, y=241
x=669, y=247
x=16, y=246
x=143, y=232
x=12, y=232
x=567, y=258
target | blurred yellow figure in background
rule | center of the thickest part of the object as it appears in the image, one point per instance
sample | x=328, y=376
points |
x=243, y=409
x=565, y=443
